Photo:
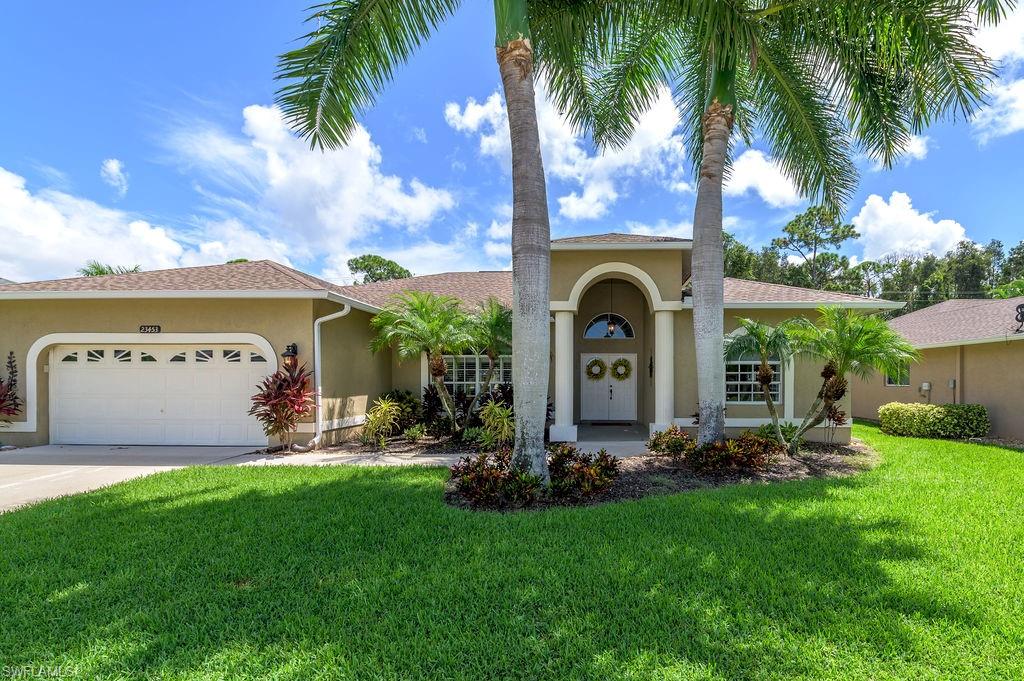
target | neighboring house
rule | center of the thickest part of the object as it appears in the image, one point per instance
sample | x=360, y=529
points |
x=172, y=357
x=971, y=353
x=5, y=281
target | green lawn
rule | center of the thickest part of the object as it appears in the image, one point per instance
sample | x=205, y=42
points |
x=913, y=570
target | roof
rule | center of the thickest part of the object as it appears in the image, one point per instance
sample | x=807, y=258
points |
x=618, y=241
x=960, y=322
x=5, y=281
x=472, y=288
x=746, y=292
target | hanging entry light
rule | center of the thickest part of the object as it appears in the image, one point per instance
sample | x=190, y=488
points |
x=611, y=322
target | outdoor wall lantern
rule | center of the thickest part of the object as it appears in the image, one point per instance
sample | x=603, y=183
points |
x=290, y=355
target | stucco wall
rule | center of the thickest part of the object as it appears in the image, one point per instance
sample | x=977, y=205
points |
x=279, y=321
x=937, y=366
x=665, y=267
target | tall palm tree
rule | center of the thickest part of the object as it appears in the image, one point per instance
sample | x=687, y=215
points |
x=349, y=57
x=95, y=268
x=846, y=342
x=768, y=343
x=491, y=327
x=415, y=323
x=815, y=79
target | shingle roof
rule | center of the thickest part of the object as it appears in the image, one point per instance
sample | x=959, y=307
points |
x=619, y=238
x=260, y=275
x=472, y=288
x=746, y=291
x=958, y=321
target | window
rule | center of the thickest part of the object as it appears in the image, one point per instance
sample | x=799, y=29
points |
x=598, y=327
x=256, y=357
x=467, y=372
x=71, y=357
x=232, y=356
x=122, y=356
x=741, y=386
x=204, y=356
x=178, y=358
x=94, y=355
x=900, y=380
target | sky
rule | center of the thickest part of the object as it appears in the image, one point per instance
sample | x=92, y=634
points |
x=145, y=133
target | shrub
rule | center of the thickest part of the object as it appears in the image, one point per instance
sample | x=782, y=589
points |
x=748, y=451
x=382, y=421
x=284, y=398
x=577, y=474
x=415, y=433
x=473, y=436
x=673, y=441
x=487, y=481
x=498, y=424
x=956, y=421
x=410, y=408
x=10, y=403
x=433, y=413
x=767, y=431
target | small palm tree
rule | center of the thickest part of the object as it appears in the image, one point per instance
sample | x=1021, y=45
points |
x=95, y=268
x=492, y=336
x=817, y=81
x=847, y=342
x=415, y=323
x=767, y=343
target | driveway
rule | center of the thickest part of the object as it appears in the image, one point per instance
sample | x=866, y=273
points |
x=37, y=473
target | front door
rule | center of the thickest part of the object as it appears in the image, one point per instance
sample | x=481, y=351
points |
x=610, y=397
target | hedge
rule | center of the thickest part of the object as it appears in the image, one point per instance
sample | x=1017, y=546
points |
x=958, y=421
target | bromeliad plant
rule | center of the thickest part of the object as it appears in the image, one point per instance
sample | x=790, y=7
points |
x=10, y=403
x=283, y=399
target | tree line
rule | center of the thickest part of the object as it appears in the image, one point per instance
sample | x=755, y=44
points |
x=807, y=255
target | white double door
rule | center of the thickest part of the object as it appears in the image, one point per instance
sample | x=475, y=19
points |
x=607, y=398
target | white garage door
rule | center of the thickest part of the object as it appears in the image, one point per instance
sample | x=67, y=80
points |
x=155, y=394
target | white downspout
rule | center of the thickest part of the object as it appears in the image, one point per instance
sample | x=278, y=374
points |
x=318, y=377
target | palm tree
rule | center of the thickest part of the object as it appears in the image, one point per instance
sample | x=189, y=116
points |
x=815, y=80
x=352, y=53
x=847, y=342
x=415, y=323
x=768, y=343
x=492, y=335
x=95, y=268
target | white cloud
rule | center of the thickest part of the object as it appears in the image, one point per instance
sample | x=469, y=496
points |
x=752, y=170
x=1004, y=42
x=683, y=229
x=654, y=151
x=1004, y=114
x=112, y=172
x=419, y=134
x=895, y=226
x=917, y=149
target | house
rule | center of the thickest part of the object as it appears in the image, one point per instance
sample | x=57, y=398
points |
x=971, y=353
x=171, y=357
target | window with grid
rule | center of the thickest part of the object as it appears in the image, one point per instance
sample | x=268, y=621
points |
x=741, y=386
x=468, y=372
x=900, y=380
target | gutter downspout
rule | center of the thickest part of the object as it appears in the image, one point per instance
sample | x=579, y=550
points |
x=317, y=376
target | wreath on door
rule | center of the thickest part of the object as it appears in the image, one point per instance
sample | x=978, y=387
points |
x=622, y=369
x=596, y=369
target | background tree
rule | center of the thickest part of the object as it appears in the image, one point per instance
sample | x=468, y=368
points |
x=1013, y=265
x=1011, y=289
x=376, y=268
x=813, y=79
x=813, y=233
x=94, y=268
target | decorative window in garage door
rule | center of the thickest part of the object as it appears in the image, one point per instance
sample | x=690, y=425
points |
x=98, y=357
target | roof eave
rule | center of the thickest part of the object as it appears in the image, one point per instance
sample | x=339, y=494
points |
x=124, y=295
x=805, y=305
x=1006, y=338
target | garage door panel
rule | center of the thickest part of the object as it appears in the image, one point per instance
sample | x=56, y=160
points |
x=138, y=395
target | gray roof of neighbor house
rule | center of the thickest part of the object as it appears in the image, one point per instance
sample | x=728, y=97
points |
x=5, y=281
x=956, y=322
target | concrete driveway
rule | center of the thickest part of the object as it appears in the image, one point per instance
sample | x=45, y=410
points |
x=37, y=473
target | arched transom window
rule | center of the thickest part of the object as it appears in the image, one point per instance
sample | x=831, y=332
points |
x=609, y=325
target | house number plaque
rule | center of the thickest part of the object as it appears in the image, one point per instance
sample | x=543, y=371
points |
x=149, y=328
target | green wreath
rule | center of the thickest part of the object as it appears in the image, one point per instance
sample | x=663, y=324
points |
x=622, y=369
x=596, y=369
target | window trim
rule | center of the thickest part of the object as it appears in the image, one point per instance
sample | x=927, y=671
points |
x=889, y=383
x=779, y=380
x=482, y=363
x=603, y=318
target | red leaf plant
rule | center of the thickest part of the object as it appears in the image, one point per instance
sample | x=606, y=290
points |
x=10, y=403
x=284, y=399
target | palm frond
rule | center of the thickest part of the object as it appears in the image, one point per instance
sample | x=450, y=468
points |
x=347, y=59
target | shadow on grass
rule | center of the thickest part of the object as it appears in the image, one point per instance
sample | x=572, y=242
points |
x=344, y=572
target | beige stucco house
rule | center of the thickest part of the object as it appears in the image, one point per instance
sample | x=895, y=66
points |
x=971, y=353
x=171, y=357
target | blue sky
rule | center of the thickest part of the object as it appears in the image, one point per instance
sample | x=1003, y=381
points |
x=144, y=133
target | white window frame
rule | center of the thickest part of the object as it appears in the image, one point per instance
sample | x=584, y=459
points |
x=889, y=383
x=480, y=365
x=603, y=318
x=778, y=381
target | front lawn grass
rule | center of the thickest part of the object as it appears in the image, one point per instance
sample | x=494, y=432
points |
x=913, y=570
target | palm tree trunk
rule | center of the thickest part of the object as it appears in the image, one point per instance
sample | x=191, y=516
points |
x=708, y=273
x=485, y=384
x=438, y=368
x=772, y=411
x=531, y=239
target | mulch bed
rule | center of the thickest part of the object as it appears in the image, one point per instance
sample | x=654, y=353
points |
x=644, y=476
x=401, y=446
x=998, y=442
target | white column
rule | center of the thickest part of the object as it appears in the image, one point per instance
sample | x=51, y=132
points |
x=788, y=389
x=664, y=370
x=563, y=429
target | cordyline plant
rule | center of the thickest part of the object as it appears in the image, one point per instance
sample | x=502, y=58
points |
x=284, y=399
x=10, y=403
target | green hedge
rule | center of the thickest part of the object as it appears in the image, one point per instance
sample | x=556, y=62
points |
x=958, y=421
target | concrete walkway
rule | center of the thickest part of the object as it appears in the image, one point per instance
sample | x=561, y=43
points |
x=36, y=473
